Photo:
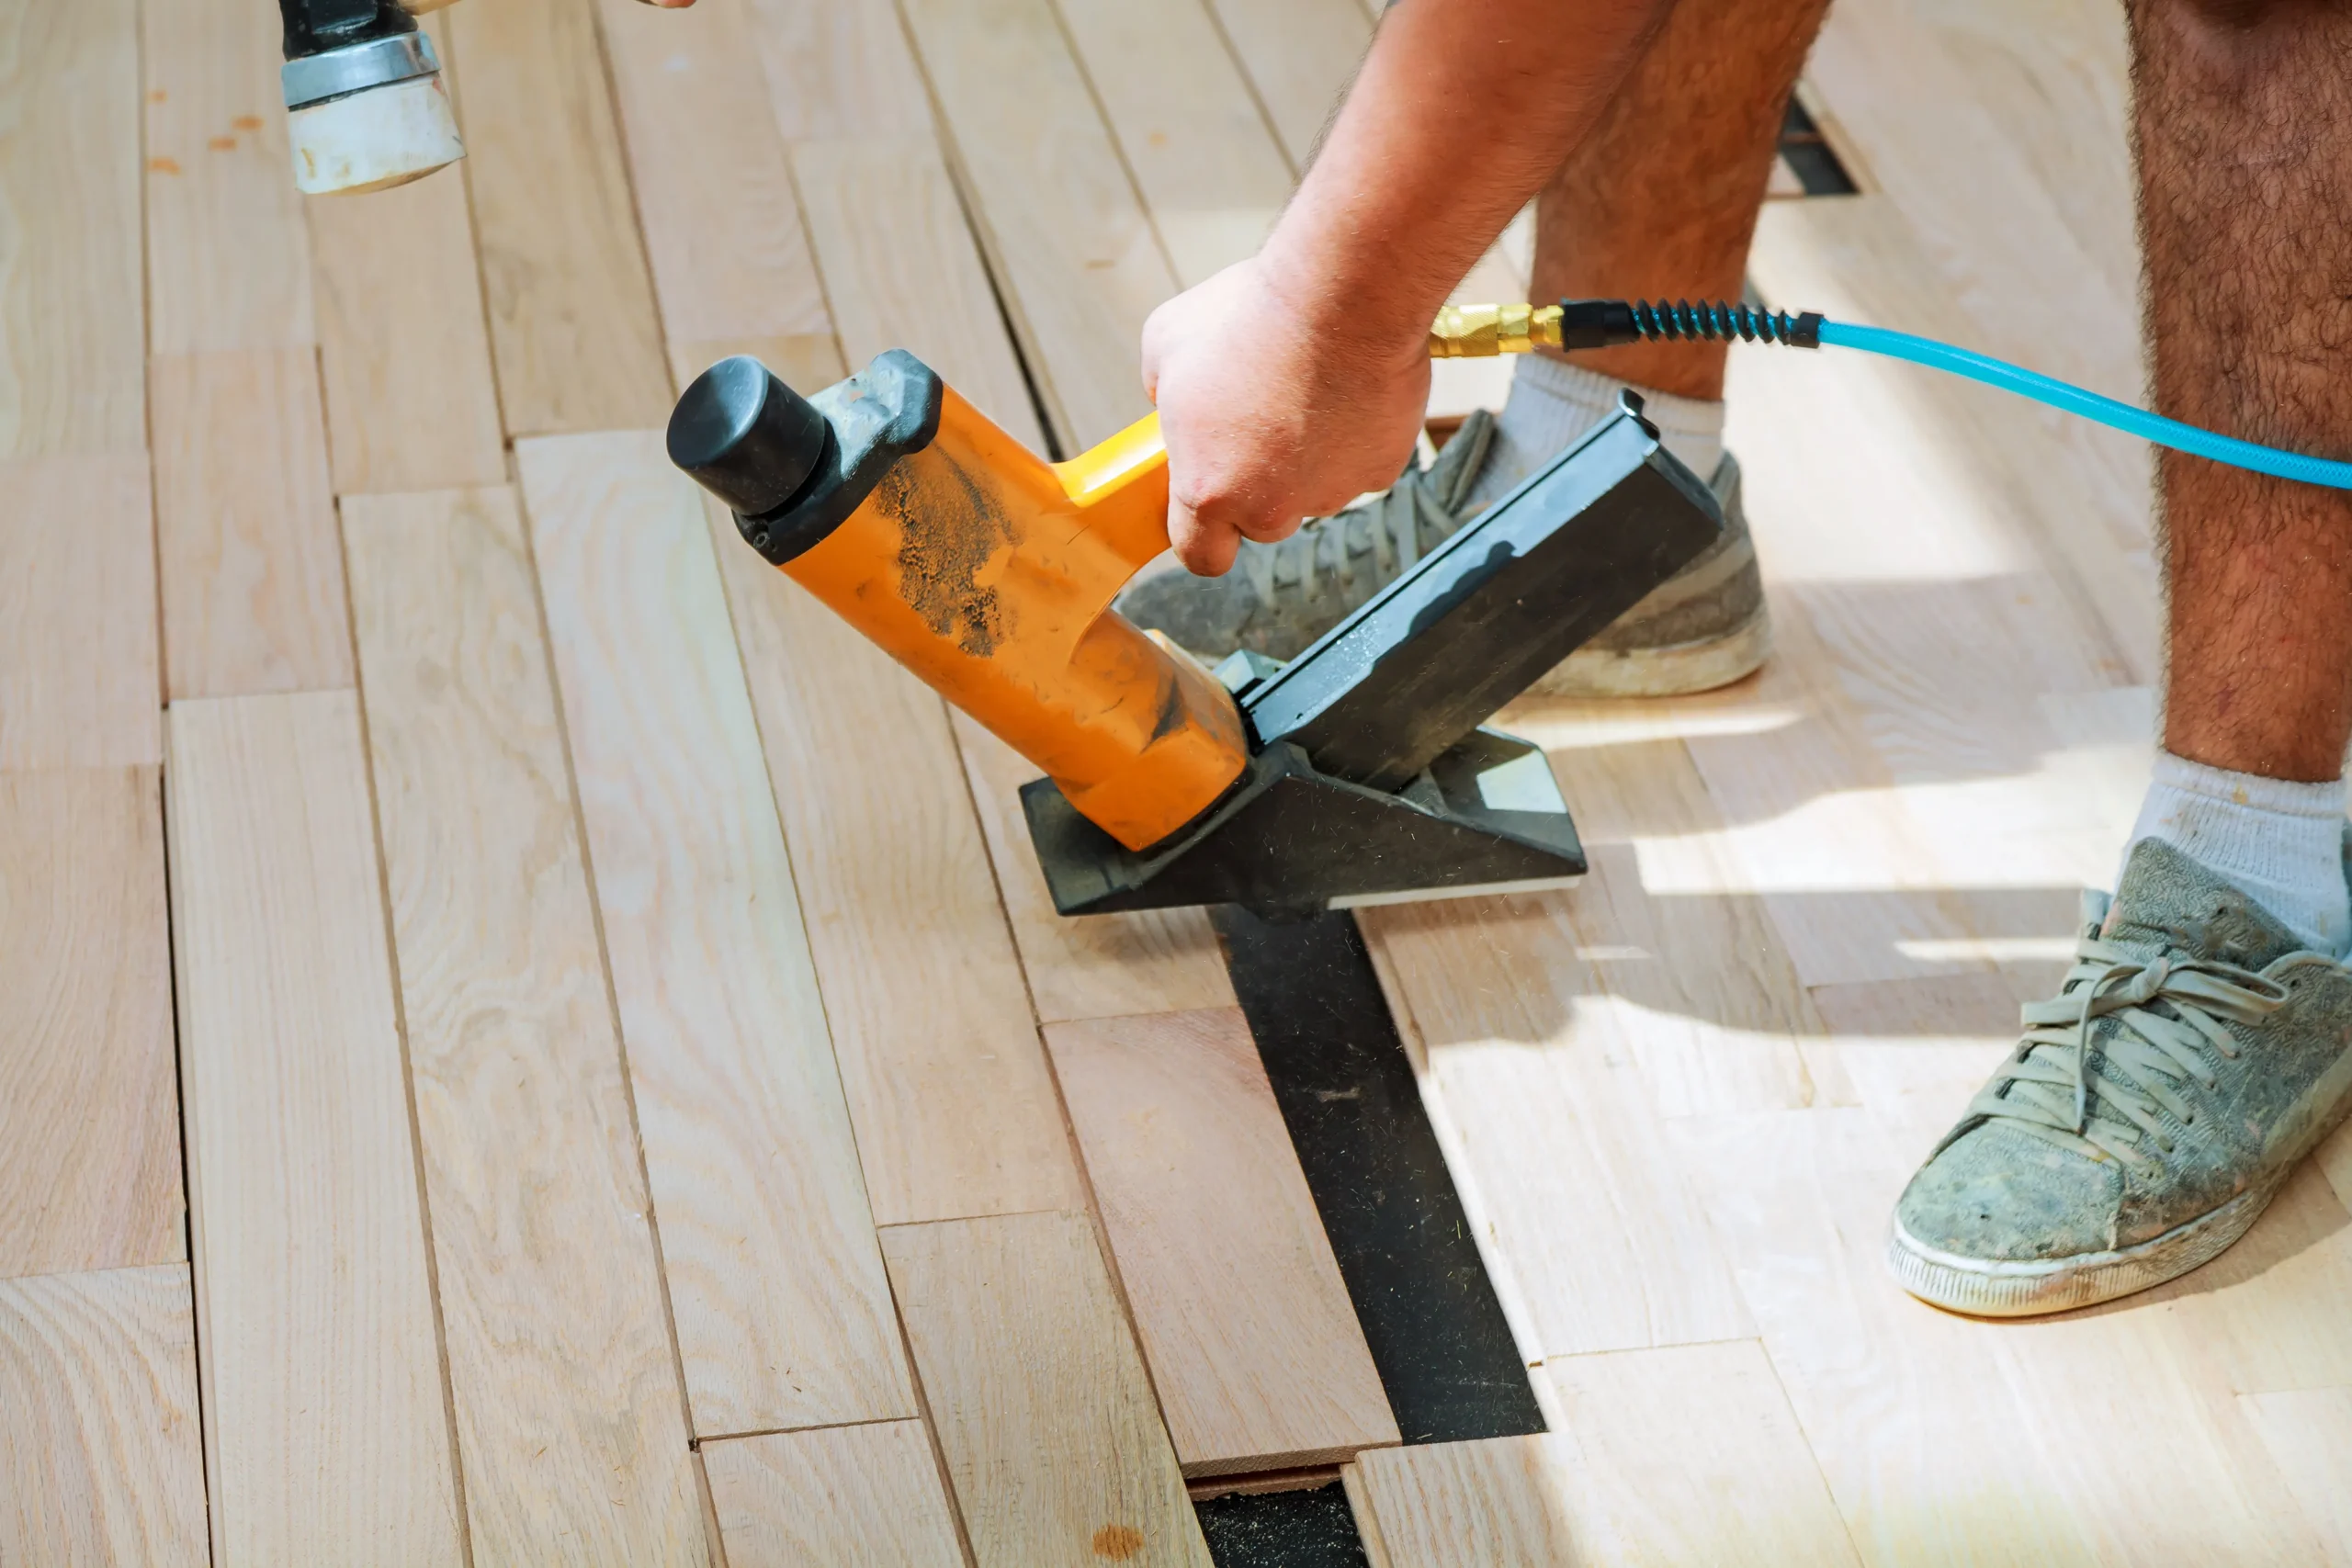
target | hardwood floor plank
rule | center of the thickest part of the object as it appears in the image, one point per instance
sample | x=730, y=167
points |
x=89, y=1114
x=570, y=1420
x=903, y=271
x=2308, y=1433
x=842, y=70
x=783, y=1312
x=404, y=350
x=1253, y=1342
x=866, y=1496
x=326, y=1434
x=1212, y=174
x=253, y=597
x=1569, y=1162
x=731, y=262
x=572, y=325
x=229, y=252
x=1075, y=255
x=1039, y=1399
x=1095, y=965
x=101, y=1460
x=73, y=301
x=1496, y=1500
x=1690, y=1455
x=81, y=661
x=947, y=1084
x=1300, y=57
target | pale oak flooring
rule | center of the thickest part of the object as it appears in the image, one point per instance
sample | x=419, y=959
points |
x=524, y=1041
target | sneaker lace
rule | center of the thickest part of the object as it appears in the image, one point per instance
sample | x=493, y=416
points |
x=1387, y=527
x=2166, y=1014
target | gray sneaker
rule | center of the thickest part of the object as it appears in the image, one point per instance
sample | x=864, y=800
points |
x=2149, y=1114
x=1704, y=627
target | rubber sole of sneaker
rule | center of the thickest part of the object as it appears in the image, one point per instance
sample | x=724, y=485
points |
x=1677, y=670
x=1986, y=1288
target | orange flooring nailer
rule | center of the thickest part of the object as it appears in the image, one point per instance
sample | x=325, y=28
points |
x=1356, y=774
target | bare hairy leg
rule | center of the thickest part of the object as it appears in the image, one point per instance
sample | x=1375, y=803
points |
x=2243, y=126
x=1660, y=200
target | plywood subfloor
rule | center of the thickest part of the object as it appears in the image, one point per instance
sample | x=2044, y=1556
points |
x=616, y=1011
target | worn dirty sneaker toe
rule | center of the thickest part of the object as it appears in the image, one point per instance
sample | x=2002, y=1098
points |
x=2150, y=1113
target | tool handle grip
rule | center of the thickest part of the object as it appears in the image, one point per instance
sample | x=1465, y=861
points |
x=1120, y=488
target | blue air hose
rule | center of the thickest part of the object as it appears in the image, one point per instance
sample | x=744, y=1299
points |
x=1594, y=323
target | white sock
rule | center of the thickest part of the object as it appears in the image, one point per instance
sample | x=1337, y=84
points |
x=1551, y=402
x=2278, y=842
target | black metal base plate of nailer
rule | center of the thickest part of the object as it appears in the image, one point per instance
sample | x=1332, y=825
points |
x=1370, y=778
x=1291, y=841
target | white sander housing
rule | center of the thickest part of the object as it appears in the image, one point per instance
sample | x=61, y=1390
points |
x=365, y=106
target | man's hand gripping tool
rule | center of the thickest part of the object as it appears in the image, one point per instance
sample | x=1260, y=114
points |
x=1357, y=773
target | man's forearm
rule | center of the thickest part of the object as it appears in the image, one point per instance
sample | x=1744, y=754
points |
x=1462, y=111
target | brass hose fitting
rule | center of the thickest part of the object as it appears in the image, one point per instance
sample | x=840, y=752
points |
x=1480, y=332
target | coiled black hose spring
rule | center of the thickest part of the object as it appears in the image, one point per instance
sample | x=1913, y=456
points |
x=1596, y=323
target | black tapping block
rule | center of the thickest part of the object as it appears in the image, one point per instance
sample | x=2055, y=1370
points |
x=1524, y=584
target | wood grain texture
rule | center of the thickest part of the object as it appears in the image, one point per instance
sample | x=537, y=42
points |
x=947, y=1084
x=81, y=658
x=572, y=325
x=783, y=1312
x=1212, y=174
x=570, y=1420
x=839, y=71
x=326, y=1434
x=404, y=350
x=1690, y=1455
x=1499, y=1500
x=73, y=307
x=1039, y=1399
x=1253, y=1345
x=864, y=1496
x=1098, y=965
x=1916, y=1416
x=230, y=251
x=101, y=1459
x=2308, y=1434
x=1300, y=57
x=723, y=233
x=903, y=271
x=1073, y=251
x=89, y=1124
x=1567, y=1169
x=254, y=598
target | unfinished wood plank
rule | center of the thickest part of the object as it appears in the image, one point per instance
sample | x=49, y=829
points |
x=72, y=305
x=903, y=271
x=731, y=262
x=89, y=1124
x=1300, y=56
x=570, y=1421
x=865, y=1497
x=572, y=326
x=1376, y=1549
x=947, y=1084
x=1212, y=174
x=326, y=1436
x=783, y=1312
x=81, y=664
x=1074, y=253
x=1253, y=1345
x=254, y=598
x=224, y=222
x=1569, y=1170
x=2269, y=1312
x=2308, y=1434
x=1093, y=966
x=404, y=350
x=100, y=1456
x=1041, y=1404
x=1690, y=1455
x=840, y=70
x=1499, y=1500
